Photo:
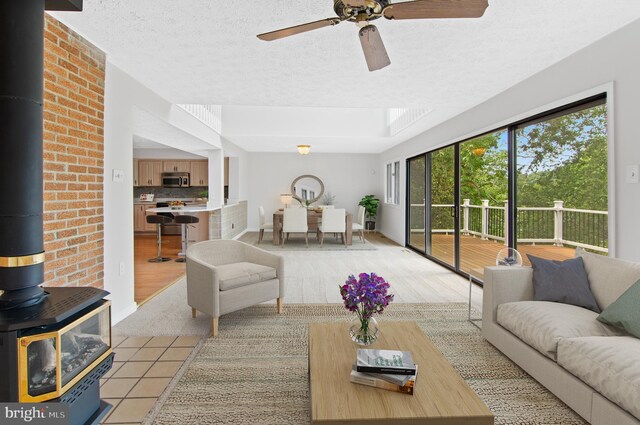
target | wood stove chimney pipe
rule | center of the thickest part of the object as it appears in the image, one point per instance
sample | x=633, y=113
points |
x=21, y=106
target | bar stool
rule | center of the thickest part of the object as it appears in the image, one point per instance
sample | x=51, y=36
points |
x=185, y=220
x=159, y=220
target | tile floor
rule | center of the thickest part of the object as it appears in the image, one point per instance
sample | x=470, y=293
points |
x=142, y=369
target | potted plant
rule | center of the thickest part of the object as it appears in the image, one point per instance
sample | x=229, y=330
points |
x=328, y=199
x=370, y=204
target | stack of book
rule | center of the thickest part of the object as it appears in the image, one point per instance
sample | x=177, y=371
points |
x=386, y=369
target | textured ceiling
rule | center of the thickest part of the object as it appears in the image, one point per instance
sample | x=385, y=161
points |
x=205, y=51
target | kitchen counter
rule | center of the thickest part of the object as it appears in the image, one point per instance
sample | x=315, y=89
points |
x=197, y=201
x=186, y=209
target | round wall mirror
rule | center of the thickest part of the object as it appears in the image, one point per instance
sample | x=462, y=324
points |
x=307, y=188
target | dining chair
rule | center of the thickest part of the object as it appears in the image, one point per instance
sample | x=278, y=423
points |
x=323, y=207
x=263, y=224
x=333, y=221
x=294, y=220
x=359, y=223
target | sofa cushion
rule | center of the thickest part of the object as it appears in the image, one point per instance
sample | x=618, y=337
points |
x=608, y=277
x=608, y=364
x=562, y=281
x=235, y=275
x=624, y=313
x=541, y=324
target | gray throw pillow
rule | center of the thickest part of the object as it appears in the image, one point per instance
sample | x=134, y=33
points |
x=562, y=281
x=624, y=313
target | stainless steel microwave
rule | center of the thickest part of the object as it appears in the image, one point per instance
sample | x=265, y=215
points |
x=175, y=179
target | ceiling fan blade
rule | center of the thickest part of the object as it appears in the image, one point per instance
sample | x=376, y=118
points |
x=373, y=47
x=286, y=32
x=355, y=3
x=433, y=9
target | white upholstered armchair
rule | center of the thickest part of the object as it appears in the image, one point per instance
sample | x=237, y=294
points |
x=224, y=276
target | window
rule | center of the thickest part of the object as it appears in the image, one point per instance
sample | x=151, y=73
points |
x=392, y=195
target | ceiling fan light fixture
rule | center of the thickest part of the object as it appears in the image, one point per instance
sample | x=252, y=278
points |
x=373, y=48
x=304, y=149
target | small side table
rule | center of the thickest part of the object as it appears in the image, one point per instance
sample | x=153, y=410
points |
x=477, y=322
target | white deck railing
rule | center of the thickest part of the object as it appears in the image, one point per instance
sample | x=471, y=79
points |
x=551, y=225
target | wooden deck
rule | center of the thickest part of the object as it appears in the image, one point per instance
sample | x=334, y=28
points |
x=476, y=254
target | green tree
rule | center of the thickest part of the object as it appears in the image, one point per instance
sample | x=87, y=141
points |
x=564, y=158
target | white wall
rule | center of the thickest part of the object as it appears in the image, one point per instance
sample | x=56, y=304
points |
x=168, y=153
x=123, y=96
x=238, y=171
x=347, y=176
x=592, y=69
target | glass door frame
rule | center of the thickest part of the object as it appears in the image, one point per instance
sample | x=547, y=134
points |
x=427, y=211
x=511, y=180
x=407, y=218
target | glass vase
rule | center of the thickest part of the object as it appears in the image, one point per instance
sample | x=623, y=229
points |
x=363, y=332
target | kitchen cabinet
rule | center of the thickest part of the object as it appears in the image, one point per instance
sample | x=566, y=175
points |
x=149, y=172
x=199, y=173
x=136, y=218
x=226, y=171
x=176, y=166
x=140, y=214
x=135, y=173
x=149, y=227
x=139, y=218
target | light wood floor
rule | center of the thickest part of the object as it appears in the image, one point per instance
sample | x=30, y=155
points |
x=150, y=278
x=313, y=276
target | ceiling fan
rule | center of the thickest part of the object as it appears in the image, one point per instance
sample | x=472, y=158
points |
x=363, y=11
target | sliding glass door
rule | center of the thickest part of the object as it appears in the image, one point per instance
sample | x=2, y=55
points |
x=441, y=212
x=416, y=211
x=483, y=201
x=538, y=185
x=562, y=183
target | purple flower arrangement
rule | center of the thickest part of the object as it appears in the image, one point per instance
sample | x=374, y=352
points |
x=367, y=295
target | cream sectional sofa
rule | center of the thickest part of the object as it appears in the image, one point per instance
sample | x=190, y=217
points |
x=592, y=367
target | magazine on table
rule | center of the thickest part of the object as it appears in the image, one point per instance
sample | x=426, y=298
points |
x=393, y=362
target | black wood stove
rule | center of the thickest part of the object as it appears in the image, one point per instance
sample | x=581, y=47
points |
x=55, y=343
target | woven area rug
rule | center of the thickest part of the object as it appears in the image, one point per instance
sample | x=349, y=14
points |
x=255, y=371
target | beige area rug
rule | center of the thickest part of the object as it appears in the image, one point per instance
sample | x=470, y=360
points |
x=255, y=371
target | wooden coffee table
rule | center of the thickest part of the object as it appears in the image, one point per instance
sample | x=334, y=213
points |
x=440, y=396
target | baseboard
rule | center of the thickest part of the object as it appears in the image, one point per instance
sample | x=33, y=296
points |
x=383, y=234
x=117, y=316
x=241, y=234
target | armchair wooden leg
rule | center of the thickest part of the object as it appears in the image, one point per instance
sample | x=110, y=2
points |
x=280, y=305
x=214, y=326
x=261, y=235
x=306, y=239
x=194, y=312
x=344, y=240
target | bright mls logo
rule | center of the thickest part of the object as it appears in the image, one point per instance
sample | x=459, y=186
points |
x=34, y=413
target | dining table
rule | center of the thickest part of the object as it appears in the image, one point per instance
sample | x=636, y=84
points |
x=313, y=219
